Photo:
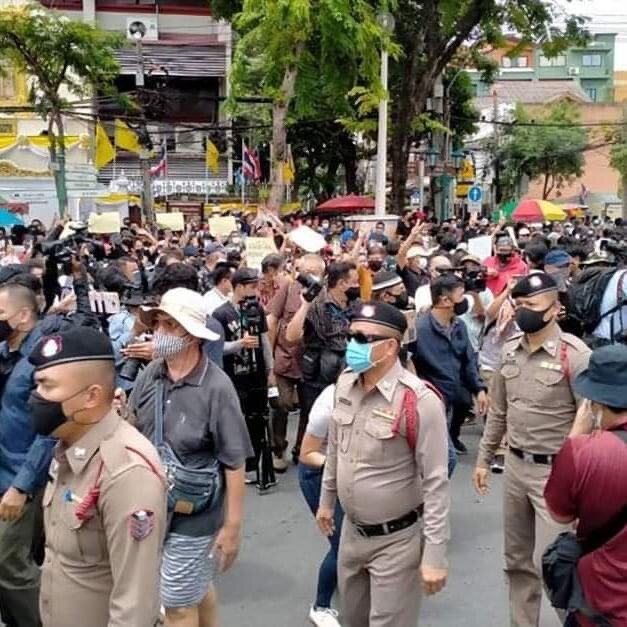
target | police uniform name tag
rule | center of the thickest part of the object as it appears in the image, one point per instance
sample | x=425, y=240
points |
x=380, y=413
x=547, y=365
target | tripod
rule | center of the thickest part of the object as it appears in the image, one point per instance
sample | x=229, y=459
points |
x=254, y=401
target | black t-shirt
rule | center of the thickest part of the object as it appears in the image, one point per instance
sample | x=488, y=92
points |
x=246, y=367
x=411, y=279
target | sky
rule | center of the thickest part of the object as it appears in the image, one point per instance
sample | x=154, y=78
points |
x=608, y=16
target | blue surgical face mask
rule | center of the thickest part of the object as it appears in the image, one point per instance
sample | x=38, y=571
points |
x=359, y=356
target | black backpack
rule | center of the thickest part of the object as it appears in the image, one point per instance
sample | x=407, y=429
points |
x=585, y=296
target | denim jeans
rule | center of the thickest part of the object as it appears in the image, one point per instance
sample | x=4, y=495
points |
x=452, y=453
x=310, y=481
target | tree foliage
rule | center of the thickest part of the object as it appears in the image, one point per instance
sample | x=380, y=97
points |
x=549, y=146
x=307, y=56
x=63, y=59
x=432, y=33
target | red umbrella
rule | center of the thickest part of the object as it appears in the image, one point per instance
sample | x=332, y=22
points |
x=351, y=202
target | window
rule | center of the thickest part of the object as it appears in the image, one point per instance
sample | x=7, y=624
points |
x=515, y=62
x=7, y=87
x=591, y=60
x=592, y=92
x=558, y=61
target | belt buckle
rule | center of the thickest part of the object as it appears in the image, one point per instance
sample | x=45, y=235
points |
x=386, y=529
x=527, y=457
x=361, y=531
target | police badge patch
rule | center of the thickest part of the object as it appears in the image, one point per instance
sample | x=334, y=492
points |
x=141, y=523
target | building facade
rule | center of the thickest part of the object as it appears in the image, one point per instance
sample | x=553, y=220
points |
x=590, y=67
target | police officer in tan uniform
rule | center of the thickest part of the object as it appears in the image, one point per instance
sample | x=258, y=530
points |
x=533, y=400
x=387, y=463
x=105, y=503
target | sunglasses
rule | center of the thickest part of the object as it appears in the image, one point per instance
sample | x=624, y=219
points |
x=363, y=338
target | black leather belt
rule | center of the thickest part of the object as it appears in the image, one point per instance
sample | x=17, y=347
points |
x=533, y=458
x=368, y=531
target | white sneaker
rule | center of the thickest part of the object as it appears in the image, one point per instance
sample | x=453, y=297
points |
x=323, y=617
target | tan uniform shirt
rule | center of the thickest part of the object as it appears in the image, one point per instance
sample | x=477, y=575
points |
x=103, y=572
x=374, y=472
x=532, y=398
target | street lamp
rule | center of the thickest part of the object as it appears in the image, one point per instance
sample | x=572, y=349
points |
x=431, y=158
x=138, y=32
x=458, y=159
x=386, y=22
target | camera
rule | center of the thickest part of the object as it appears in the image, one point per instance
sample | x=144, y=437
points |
x=132, y=365
x=474, y=280
x=251, y=309
x=63, y=250
x=311, y=284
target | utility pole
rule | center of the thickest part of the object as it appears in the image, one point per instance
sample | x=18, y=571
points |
x=623, y=134
x=138, y=31
x=386, y=21
x=438, y=146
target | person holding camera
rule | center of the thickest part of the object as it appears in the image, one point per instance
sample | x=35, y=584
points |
x=287, y=355
x=322, y=326
x=248, y=360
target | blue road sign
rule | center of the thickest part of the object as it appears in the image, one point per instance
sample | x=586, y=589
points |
x=475, y=193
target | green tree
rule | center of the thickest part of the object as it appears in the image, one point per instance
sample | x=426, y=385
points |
x=62, y=58
x=548, y=146
x=432, y=32
x=300, y=53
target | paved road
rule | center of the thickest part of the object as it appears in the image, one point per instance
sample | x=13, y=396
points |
x=273, y=582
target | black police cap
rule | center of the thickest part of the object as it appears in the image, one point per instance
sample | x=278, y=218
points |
x=382, y=314
x=74, y=345
x=244, y=276
x=536, y=283
x=384, y=279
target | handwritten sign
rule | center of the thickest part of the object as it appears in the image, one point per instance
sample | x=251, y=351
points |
x=173, y=221
x=307, y=239
x=480, y=247
x=257, y=248
x=105, y=223
x=222, y=226
x=104, y=302
x=410, y=334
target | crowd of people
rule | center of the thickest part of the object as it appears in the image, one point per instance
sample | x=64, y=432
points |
x=148, y=376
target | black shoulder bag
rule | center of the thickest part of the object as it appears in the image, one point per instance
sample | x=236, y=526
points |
x=559, y=564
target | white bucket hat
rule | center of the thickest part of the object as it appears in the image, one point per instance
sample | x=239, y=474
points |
x=185, y=306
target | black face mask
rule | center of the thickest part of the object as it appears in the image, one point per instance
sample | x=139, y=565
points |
x=375, y=265
x=505, y=258
x=5, y=330
x=47, y=416
x=461, y=307
x=352, y=293
x=530, y=321
x=401, y=301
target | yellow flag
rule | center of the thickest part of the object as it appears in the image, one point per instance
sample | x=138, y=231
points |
x=289, y=169
x=213, y=155
x=105, y=152
x=125, y=138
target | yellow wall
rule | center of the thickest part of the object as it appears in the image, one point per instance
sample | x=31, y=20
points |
x=620, y=86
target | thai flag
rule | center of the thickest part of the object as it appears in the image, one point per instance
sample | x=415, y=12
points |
x=251, y=166
x=161, y=169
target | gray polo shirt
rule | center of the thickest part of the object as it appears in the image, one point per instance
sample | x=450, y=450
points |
x=203, y=421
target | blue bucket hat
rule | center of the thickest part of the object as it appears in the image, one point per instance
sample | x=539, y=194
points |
x=605, y=379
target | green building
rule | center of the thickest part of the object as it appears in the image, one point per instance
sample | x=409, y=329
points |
x=590, y=66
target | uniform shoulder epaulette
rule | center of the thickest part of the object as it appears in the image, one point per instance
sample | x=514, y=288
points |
x=413, y=382
x=115, y=457
x=575, y=342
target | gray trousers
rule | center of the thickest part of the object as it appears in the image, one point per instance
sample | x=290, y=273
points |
x=379, y=578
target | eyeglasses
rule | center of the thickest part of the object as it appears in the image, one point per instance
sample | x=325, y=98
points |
x=363, y=338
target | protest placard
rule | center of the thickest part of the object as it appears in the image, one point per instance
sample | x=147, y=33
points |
x=256, y=249
x=105, y=223
x=480, y=247
x=174, y=221
x=222, y=226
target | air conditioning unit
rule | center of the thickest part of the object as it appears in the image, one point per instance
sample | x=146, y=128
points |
x=573, y=71
x=189, y=140
x=148, y=25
